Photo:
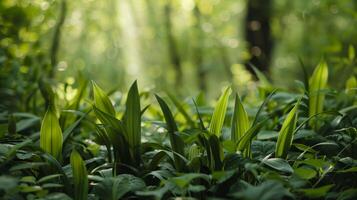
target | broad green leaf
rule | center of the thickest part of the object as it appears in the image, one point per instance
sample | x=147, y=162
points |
x=8, y=182
x=278, y=164
x=305, y=172
x=181, y=109
x=49, y=177
x=185, y=179
x=132, y=121
x=177, y=144
x=219, y=113
x=244, y=142
x=57, y=166
x=103, y=139
x=114, y=188
x=317, y=83
x=28, y=165
x=216, y=152
x=51, y=134
x=316, y=192
x=286, y=133
x=109, y=120
x=268, y=190
x=116, y=133
x=240, y=121
x=80, y=176
x=101, y=100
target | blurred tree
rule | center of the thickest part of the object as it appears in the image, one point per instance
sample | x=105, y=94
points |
x=197, y=48
x=175, y=58
x=258, y=34
x=57, y=37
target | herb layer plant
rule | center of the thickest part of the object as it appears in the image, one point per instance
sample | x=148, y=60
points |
x=293, y=145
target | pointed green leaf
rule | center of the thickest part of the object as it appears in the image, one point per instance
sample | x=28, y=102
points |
x=177, y=144
x=244, y=142
x=286, y=133
x=240, y=121
x=101, y=100
x=219, y=113
x=216, y=152
x=181, y=109
x=132, y=120
x=317, y=83
x=278, y=164
x=51, y=134
x=80, y=176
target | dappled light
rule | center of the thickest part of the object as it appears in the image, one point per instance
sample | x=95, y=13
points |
x=178, y=99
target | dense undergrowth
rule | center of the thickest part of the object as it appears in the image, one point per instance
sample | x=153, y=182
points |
x=103, y=145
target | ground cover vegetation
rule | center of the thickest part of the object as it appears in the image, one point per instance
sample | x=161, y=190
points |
x=293, y=145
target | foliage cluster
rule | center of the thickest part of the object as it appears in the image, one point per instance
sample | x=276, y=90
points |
x=95, y=144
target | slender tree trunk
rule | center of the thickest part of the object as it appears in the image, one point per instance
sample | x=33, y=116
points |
x=172, y=46
x=258, y=34
x=197, y=49
x=56, y=38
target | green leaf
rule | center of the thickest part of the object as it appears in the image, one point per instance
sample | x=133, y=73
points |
x=132, y=121
x=278, y=164
x=316, y=192
x=116, y=187
x=317, y=83
x=51, y=134
x=349, y=170
x=184, y=180
x=116, y=133
x=245, y=141
x=177, y=144
x=286, y=133
x=28, y=165
x=8, y=182
x=305, y=173
x=80, y=176
x=219, y=113
x=181, y=109
x=101, y=100
x=49, y=177
x=268, y=190
x=240, y=121
x=216, y=152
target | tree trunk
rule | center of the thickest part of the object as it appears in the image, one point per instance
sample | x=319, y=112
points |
x=201, y=73
x=172, y=46
x=257, y=26
x=56, y=38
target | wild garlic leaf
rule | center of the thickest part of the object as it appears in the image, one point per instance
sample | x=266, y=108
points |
x=219, y=113
x=51, y=134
